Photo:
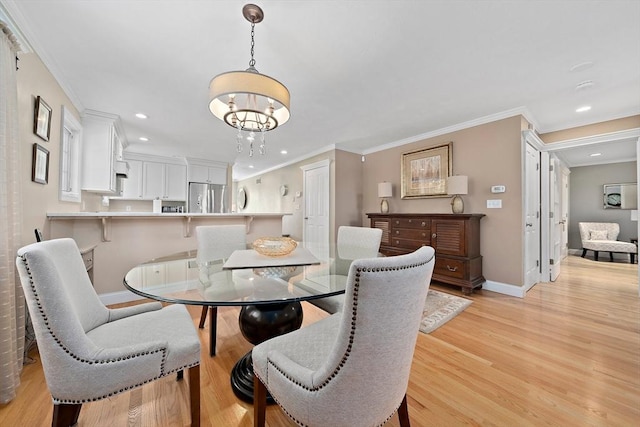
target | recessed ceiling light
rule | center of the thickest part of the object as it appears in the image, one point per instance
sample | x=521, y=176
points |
x=283, y=152
x=595, y=154
x=141, y=116
x=587, y=84
x=581, y=66
x=250, y=166
x=143, y=138
x=583, y=109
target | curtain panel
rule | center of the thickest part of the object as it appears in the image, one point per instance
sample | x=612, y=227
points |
x=12, y=304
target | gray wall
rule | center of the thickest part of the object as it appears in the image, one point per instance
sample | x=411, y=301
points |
x=586, y=199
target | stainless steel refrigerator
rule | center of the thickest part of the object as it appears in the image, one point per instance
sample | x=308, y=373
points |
x=207, y=198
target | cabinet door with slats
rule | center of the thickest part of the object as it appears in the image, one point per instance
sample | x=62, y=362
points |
x=448, y=236
x=382, y=224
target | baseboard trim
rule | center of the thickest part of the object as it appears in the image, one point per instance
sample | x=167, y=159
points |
x=118, y=297
x=504, y=288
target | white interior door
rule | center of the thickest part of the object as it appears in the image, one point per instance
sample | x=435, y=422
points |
x=315, y=228
x=565, y=212
x=556, y=223
x=532, y=217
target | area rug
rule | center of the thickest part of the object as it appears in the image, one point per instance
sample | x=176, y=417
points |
x=439, y=308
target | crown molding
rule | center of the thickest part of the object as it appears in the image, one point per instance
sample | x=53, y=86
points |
x=7, y=18
x=519, y=111
x=31, y=42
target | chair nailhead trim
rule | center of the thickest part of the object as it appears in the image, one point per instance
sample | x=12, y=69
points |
x=97, y=361
x=352, y=333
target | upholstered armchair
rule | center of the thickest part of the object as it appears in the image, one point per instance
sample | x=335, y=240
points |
x=90, y=352
x=352, y=243
x=216, y=242
x=602, y=237
x=352, y=368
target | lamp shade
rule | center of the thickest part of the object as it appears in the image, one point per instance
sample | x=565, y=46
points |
x=250, y=97
x=457, y=184
x=385, y=189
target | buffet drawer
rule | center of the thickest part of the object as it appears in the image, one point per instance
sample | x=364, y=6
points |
x=407, y=243
x=410, y=223
x=451, y=267
x=87, y=257
x=411, y=233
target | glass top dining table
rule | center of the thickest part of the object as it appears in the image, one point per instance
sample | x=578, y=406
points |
x=185, y=278
x=269, y=292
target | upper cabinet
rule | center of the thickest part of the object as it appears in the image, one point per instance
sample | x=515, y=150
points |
x=208, y=172
x=132, y=185
x=164, y=181
x=154, y=177
x=103, y=142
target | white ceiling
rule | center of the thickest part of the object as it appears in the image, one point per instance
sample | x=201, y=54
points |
x=362, y=74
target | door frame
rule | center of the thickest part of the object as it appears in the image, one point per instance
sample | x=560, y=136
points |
x=530, y=137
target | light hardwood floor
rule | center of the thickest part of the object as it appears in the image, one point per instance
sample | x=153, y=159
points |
x=568, y=354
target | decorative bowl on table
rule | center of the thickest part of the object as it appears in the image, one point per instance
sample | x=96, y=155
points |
x=274, y=246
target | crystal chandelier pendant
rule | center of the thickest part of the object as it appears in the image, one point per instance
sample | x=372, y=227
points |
x=239, y=140
x=262, y=148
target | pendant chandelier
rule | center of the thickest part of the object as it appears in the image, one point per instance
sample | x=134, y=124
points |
x=251, y=102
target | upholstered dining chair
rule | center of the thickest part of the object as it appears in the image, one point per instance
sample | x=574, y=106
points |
x=216, y=242
x=351, y=368
x=352, y=243
x=90, y=352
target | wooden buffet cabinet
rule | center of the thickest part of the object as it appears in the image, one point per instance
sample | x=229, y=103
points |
x=455, y=238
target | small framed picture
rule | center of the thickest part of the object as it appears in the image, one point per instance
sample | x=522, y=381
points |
x=40, y=168
x=42, y=119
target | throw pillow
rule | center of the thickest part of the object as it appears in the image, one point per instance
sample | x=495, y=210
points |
x=598, y=235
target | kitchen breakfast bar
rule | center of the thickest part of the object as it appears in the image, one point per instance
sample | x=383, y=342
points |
x=123, y=240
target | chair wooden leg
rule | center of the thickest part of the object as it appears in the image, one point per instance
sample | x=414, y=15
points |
x=203, y=316
x=403, y=413
x=611, y=256
x=632, y=257
x=65, y=415
x=213, y=327
x=584, y=252
x=194, y=395
x=595, y=255
x=259, y=402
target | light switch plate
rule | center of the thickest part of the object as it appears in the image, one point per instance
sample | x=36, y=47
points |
x=498, y=189
x=494, y=204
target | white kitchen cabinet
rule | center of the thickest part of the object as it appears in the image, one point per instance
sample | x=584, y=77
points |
x=132, y=185
x=175, y=182
x=101, y=144
x=208, y=174
x=165, y=181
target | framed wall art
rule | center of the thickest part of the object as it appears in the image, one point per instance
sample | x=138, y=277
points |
x=40, y=166
x=425, y=172
x=42, y=119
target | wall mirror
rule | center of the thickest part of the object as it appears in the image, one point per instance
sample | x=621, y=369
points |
x=621, y=196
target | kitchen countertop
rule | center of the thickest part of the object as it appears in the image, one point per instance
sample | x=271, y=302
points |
x=106, y=217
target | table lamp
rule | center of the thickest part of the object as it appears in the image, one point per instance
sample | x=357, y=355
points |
x=456, y=186
x=384, y=190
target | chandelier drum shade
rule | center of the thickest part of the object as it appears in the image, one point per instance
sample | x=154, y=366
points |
x=255, y=101
x=247, y=100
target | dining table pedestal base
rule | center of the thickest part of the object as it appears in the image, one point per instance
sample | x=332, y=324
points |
x=259, y=323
